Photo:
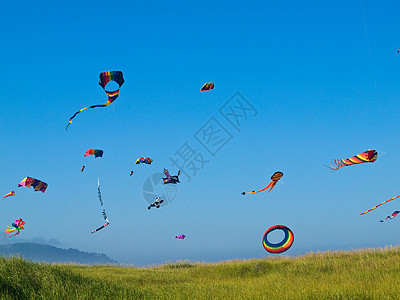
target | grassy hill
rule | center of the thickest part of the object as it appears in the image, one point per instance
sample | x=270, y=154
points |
x=363, y=274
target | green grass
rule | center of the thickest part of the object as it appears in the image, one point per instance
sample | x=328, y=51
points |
x=363, y=274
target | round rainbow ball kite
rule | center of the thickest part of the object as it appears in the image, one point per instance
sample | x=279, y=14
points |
x=282, y=246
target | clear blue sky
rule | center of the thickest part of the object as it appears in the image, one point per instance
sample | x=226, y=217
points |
x=322, y=79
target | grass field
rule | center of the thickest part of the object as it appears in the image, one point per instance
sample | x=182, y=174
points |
x=363, y=274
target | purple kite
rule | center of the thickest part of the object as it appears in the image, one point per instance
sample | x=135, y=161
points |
x=180, y=236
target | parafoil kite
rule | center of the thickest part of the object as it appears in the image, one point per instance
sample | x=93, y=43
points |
x=368, y=156
x=105, y=78
x=156, y=203
x=171, y=179
x=104, y=211
x=12, y=193
x=13, y=230
x=379, y=205
x=207, y=86
x=37, y=184
x=180, y=236
x=95, y=152
x=145, y=160
x=274, y=179
x=282, y=246
x=395, y=213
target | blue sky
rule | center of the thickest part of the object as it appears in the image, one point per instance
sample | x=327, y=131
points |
x=321, y=79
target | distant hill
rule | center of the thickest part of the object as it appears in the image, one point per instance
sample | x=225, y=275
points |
x=51, y=254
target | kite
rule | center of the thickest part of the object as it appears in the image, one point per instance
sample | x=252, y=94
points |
x=146, y=160
x=380, y=204
x=207, y=86
x=275, y=177
x=157, y=203
x=83, y=168
x=171, y=179
x=368, y=156
x=180, y=236
x=12, y=193
x=95, y=152
x=37, y=184
x=101, y=204
x=105, y=78
x=282, y=246
x=395, y=213
x=397, y=52
x=131, y=173
x=13, y=230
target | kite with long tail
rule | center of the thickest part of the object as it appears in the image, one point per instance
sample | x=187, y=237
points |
x=104, y=211
x=395, y=213
x=274, y=179
x=105, y=78
x=368, y=156
x=379, y=205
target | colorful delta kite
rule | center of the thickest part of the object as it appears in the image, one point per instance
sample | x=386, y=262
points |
x=368, y=156
x=156, y=203
x=386, y=201
x=180, y=236
x=282, y=246
x=36, y=184
x=207, y=86
x=9, y=194
x=171, y=179
x=275, y=178
x=105, y=78
x=144, y=160
x=395, y=213
x=13, y=230
x=95, y=152
x=104, y=211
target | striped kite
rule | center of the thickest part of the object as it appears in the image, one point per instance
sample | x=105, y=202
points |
x=207, y=86
x=105, y=78
x=146, y=160
x=37, y=184
x=368, y=156
x=379, y=205
x=12, y=193
x=395, y=213
x=274, y=179
x=95, y=152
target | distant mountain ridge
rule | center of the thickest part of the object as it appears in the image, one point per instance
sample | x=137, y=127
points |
x=51, y=254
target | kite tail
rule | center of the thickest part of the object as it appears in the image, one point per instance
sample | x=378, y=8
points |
x=270, y=185
x=100, y=228
x=109, y=101
x=371, y=209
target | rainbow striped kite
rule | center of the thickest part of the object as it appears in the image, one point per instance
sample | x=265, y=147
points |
x=35, y=183
x=379, y=205
x=207, y=86
x=95, y=152
x=145, y=160
x=368, y=156
x=105, y=78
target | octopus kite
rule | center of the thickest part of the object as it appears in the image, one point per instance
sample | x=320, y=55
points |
x=274, y=179
x=13, y=230
x=207, y=86
x=95, y=152
x=171, y=179
x=386, y=201
x=105, y=78
x=145, y=160
x=180, y=236
x=395, y=213
x=368, y=156
x=35, y=183
x=12, y=193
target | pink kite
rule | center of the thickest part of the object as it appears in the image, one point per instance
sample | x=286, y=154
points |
x=37, y=184
x=180, y=236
